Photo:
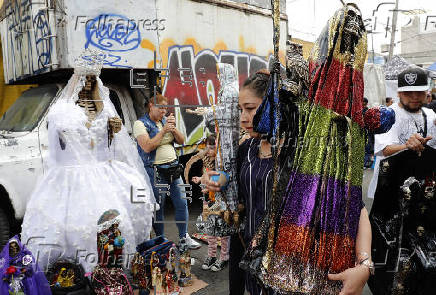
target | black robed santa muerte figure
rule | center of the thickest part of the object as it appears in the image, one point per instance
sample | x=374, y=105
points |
x=403, y=221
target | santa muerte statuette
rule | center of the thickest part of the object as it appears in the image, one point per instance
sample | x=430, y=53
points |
x=19, y=272
x=108, y=275
x=98, y=167
x=138, y=271
x=171, y=275
x=109, y=240
x=185, y=278
x=156, y=275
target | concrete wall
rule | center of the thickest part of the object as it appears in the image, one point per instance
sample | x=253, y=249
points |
x=307, y=46
x=418, y=47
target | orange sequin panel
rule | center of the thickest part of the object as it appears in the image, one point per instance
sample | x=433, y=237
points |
x=331, y=251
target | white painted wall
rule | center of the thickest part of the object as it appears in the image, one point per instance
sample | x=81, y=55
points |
x=113, y=27
x=209, y=24
x=36, y=39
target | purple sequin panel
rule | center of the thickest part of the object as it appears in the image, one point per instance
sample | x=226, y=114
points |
x=305, y=203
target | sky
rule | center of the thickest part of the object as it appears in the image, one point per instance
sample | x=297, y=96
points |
x=306, y=18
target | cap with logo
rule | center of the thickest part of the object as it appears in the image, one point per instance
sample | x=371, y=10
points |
x=413, y=79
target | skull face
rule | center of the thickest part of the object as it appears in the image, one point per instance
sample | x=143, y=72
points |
x=407, y=193
x=385, y=167
x=420, y=230
x=429, y=192
x=353, y=21
x=353, y=29
x=14, y=249
x=63, y=272
x=90, y=81
x=293, y=49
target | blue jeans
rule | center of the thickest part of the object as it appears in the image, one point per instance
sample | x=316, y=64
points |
x=180, y=204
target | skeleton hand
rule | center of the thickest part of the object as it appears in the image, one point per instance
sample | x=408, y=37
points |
x=115, y=124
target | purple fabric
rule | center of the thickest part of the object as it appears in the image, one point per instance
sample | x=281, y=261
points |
x=301, y=200
x=35, y=283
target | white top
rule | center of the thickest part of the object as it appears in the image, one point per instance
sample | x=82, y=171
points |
x=406, y=124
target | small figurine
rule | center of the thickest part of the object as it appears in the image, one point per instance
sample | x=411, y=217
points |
x=69, y=282
x=171, y=275
x=109, y=240
x=62, y=280
x=138, y=271
x=16, y=286
x=108, y=276
x=157, y=280
x=185, y=278
x=62, y=274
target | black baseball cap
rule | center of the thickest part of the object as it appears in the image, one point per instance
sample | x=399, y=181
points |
x=413, y=79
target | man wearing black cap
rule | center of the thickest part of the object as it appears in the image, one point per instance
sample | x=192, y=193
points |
x=414, y=127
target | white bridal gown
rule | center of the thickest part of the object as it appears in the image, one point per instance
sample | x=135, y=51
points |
x=85, y=178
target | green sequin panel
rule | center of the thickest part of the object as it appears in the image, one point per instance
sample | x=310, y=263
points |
x=324, y=128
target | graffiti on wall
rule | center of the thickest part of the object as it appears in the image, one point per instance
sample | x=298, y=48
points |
x=28, y=40
x=192, y=80
x=112, y=38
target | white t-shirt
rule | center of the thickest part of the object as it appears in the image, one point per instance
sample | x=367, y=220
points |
x=406, y=124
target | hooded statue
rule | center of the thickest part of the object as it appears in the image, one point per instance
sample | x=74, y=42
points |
x=313, y=220
x=19, y=271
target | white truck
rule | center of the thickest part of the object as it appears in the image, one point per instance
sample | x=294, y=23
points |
x=177, y=42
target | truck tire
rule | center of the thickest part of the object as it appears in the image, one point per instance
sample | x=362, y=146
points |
x=4, y=229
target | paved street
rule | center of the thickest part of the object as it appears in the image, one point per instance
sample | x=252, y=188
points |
x=218, y=281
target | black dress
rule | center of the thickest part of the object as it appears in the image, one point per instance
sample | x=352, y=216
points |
x=255, y=182
x=403, y=222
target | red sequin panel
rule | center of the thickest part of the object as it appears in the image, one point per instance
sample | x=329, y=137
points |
x=357, y=108
x=336, y=87
x=372, y=119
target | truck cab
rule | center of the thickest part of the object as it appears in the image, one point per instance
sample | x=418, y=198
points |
x=24, y=147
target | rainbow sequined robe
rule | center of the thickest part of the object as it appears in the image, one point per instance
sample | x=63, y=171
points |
x=314, y=230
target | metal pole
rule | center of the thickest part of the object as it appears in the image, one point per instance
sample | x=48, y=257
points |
x=394, y=28
x=372, y=44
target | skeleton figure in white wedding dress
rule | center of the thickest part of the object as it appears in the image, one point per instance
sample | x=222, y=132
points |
x=93, y=167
